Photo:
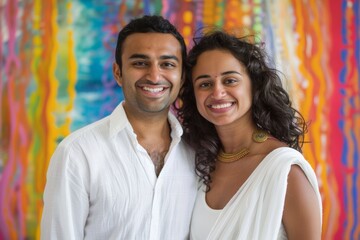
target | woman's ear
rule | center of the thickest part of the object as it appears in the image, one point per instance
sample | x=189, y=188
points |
x=117, y=74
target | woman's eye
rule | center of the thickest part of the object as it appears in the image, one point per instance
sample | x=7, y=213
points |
x=230, y=81
x=204, y=85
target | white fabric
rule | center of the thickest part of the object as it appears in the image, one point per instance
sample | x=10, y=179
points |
x=255, y=211
x=101, y=184
x=202, y=211
x=204, y=217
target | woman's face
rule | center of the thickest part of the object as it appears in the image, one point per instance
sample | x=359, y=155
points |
x=222, y=88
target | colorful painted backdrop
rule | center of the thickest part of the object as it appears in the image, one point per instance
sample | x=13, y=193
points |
x=55, y=77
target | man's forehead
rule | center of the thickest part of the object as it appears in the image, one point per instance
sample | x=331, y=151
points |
x=149, y=45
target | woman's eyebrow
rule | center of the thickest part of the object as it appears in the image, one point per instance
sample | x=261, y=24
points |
x=230, y=72
x=222, y=74
x=202, y=76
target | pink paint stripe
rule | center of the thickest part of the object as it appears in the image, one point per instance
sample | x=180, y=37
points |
x=12, y=63
x=165, y=8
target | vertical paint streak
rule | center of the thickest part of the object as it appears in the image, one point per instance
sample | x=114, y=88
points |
x=34, y=103
x=146, y=7
x=72, y=69
x=257, y=16
x=47, y=89
x=3, y=109
x=321, y=97
x=121, y=15
x=199, y=12
x=158, y=6
x=34, y=98
x=236, y=16
x=2, y=79
x=7, y=193
x=24, y=142
x=350, y=124
x=109, y=28
x=184, y=22
x=315, y=56
x=208, y=13
x=334, y=217
x=344, y=112
x=356, y=195
x=219, y=13
x=310, y=52
x=165, y=8
x=284, y=46
x=44, y=97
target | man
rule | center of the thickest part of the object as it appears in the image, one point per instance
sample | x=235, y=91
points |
x=128, y=176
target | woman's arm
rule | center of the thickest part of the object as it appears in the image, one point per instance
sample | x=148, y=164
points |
x=302, y=216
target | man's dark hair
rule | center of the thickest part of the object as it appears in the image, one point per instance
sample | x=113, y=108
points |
x=148, y=24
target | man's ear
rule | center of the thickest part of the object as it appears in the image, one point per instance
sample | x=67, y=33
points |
x=117, y=73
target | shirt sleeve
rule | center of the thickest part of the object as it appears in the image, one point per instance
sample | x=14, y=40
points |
x=66, y=201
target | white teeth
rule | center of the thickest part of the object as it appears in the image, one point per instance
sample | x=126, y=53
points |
x=153, y=90
x=224, y=105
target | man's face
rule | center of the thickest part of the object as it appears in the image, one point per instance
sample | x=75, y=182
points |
x=151, y=72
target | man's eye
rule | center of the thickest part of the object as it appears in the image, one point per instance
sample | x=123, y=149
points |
x=139, y=64
x=168, y=65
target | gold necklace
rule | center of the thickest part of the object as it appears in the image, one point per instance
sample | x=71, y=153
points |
x=258, y=136
x=232, y=157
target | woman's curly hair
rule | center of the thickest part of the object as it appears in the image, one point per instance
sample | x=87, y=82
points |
x=271, y=105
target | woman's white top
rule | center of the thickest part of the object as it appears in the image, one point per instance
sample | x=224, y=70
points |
x=201, y=228
x=256, y=209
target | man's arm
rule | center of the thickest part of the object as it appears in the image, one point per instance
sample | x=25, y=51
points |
x=66, y=203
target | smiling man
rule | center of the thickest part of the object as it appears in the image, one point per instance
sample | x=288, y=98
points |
x=129, y=175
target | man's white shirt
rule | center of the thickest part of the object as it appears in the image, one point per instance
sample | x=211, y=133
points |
x=101, y=184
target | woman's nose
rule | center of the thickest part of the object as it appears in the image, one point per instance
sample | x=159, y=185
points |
x=218, y=91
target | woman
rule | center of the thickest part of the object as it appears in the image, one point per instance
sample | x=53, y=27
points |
x=236, y=115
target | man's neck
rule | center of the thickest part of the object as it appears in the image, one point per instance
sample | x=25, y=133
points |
x=145, y=127
x=153, y=134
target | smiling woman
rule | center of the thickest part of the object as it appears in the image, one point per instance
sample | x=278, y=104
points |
x=247, y=138
x=222, y=87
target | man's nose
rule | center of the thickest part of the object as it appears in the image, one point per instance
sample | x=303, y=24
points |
x=154, y=73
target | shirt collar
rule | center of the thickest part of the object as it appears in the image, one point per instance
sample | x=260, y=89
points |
x=176, y=128
x=119, y=121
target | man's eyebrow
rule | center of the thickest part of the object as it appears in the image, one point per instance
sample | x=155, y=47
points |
x=163, y=57
x=138, y=55
x=222, y=74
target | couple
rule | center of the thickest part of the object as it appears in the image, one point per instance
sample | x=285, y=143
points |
x=135, y=173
